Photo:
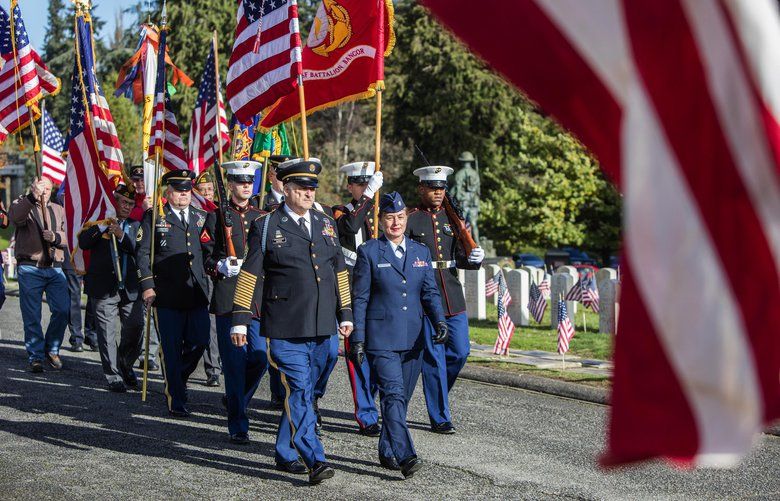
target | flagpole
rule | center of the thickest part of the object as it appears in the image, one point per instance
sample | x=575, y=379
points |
x=264, y=178
x=295, y=136
x=218, y=137
x=147, y=331
x=304, y=130
x=377, y=157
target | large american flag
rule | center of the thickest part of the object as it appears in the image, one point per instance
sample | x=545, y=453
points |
x=565, y=329
x=679, y=101
x=536, y=303
x=53, y=144
x=203, y=140
x=89, y=194
x=506, y=328
x=266, y=58
x=24, y=78
x=165, y=136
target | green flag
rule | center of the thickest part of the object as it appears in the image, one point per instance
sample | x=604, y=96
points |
x=272, y=143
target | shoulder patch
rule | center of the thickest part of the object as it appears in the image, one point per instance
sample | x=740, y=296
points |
x=140, y=235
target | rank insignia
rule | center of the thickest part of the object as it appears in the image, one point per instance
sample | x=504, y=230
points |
x=420, y=263
x=205, y=236
x=278, y=238
x=139, y=235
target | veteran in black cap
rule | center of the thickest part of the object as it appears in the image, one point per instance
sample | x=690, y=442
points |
x=141, y=199
x=176, y=283
x=295, y=257
x=393, y=280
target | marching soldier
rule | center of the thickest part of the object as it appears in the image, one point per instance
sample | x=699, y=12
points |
x=295, y=257
x=243, y=364
x=355, y=222
x=176, y=283
x=114, y=298
x=394, y=286
x=429, y=225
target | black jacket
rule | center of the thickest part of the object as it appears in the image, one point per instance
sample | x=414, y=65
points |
x=355, y=222
x=180, y=254
x=101, y=280
x=225, y=288
x=304, y=279
x=433, y=229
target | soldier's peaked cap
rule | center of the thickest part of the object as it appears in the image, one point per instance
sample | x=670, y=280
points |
x=434, y=176
x=179, y=180
x=137, y=172
x=125, y=191
x=358, y=172
x=300, y=171
x=275, y=160
x=241, y=171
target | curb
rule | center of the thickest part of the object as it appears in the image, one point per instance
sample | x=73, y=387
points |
x=536, y=383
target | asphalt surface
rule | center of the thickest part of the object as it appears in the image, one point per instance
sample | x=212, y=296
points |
x=64, y=436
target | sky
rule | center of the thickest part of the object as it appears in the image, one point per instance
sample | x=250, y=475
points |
x=35, y=15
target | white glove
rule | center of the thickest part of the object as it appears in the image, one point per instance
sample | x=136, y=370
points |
x=374, y=184
x=476, y=256
x=227, y=269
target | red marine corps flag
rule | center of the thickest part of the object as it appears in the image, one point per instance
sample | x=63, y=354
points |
x=344, y=57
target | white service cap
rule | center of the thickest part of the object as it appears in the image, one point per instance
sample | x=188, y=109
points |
x=434, y=175
x=358, y=169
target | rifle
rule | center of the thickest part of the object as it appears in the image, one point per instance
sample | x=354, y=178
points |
x=224, y=209
x=455, y=215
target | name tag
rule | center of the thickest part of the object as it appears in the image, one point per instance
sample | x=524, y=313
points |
x=383, y=265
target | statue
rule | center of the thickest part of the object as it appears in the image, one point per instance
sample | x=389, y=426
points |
x=466, y=190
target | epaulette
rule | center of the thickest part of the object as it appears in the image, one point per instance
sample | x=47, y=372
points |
x=323, y=213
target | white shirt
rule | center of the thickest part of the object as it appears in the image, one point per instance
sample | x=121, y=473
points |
x=177, y=212
x=401, y=246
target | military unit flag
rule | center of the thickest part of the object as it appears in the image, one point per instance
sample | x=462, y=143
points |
x=537, y=304
x=24, y=78
x=53, y=144
x=266, y=59
x=565, y=329
x=506, y=327
x=203, y=140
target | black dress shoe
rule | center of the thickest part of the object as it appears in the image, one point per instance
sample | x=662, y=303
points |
x=320, y=472
x=410, y=466
x=295, y=467
x=130, y=379
x=77, y=347
x=117, y=387
x=277, y=403
x=36, y=366
x=153, y=366
x=444, y=428
x=179, y=413
x=212, y=380
x=239, y=438
x=389, y=462
x=92, y=345
x=372, y=430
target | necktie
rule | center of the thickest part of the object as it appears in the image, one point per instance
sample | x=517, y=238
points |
x=399, y=252
x=183, y=220
x=304, y=228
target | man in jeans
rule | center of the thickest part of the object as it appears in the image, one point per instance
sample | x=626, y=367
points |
x=40, y=251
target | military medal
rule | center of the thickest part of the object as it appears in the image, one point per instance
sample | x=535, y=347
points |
x=419, y=263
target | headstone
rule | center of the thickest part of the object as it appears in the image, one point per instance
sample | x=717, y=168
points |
x=605, y=274
x=609, y=300
x=535, y=274
x=475, y=294
x=492, y=269
x=519, y=285
x=462, y=280
x=561, y=282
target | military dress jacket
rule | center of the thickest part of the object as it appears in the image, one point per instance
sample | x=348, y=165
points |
x=303, y=278
x=180, y=253
x=101, y=281
x=355, y=222
x=391, y=297
x=225, y=288
x=432, y=228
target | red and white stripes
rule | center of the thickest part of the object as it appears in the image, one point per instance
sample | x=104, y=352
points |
x=679, y=100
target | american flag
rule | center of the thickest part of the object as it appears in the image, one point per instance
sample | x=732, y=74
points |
x=575, y=293
x=565, y=329
x=544, y=287
x=202, y=129
x=536, y=303
x=89, y=194
x=266, y=58
x=590, y=294
x=24, y=79
x=679, y=102
x=506, y=328
x=491, y=286
x=53, y=144
x=165, y=136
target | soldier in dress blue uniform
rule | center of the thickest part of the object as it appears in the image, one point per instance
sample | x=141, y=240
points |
x=429, y=225
x=115, y=298
x=394, y=288
x=176, y=283
x=355, y=222
x=295, y=257
x=243, y=364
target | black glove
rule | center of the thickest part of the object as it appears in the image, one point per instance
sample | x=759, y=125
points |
x=442, y=333
x=357, y=352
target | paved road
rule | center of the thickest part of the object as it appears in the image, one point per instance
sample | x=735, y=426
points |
x=63, y=435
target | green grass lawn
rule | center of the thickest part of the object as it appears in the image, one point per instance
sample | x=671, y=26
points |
x=588, y=344
x=5, y=236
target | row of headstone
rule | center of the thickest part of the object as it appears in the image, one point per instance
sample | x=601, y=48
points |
x=519, y=283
